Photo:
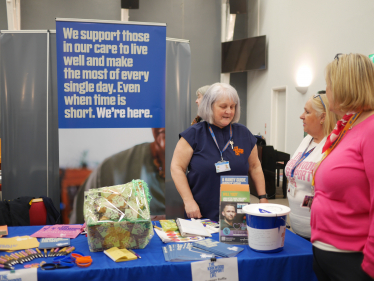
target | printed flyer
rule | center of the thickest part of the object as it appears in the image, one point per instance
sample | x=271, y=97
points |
x=234, y=196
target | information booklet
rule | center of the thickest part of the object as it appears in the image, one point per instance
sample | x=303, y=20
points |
x=59, y=231
x=119, y=255
x=18, y=243
x=192, y=228
x=234, y=196
x=218, y=248
x=49, y=243
x=176, y=237
x=184, y=252
x=210, y=226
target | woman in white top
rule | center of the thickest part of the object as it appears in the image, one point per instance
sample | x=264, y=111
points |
x=318, y=123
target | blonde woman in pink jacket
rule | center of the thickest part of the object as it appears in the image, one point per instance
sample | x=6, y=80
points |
x=342, y=214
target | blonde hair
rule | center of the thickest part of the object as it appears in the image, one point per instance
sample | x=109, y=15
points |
x=351, y=80
x=330, y=117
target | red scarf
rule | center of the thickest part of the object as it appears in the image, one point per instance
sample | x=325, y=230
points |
x=338, y=128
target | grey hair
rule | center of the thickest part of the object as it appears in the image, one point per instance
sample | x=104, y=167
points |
x=215, y=92
x=202, y=90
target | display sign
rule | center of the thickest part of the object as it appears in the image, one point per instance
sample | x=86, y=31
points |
x=29, y=274
x=111, y=86
x=221, y=269
x=110, y=75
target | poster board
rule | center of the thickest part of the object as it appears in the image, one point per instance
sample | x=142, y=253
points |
x=111, y=104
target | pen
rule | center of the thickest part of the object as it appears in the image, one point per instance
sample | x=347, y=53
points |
x=25, y=255
x=65, y=251
x=155, y=226
x=6, y=266
x=139, y=257
x=15, y=258
x=20, y=258
x=62, y=252
x=7, y=258
x=55, y=252
x=51, y=252
x=30, y=254
x=39, y=253
x=68, y=251
x=45, y=253
x=11, y=260
x=35, y=253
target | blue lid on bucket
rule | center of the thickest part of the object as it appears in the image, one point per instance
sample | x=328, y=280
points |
x=266, y=210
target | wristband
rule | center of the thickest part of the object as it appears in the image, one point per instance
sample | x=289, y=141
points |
x=64, y=262
x=75, y=255
x=265, y=196
x=83, y=259
x=80, y=260
x=57, y=259
x=84, y=264
x=48, y=266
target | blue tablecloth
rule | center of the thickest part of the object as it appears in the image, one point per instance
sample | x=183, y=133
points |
x=293, y=263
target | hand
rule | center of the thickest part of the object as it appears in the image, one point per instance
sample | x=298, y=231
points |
x=192, y=209
x=264, y=200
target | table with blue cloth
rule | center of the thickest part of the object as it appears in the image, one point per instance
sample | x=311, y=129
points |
x=293, y=263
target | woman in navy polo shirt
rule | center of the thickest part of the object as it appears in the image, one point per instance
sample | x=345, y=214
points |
x=215, y=147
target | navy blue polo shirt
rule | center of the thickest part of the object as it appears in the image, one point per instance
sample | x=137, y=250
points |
x=202, y=177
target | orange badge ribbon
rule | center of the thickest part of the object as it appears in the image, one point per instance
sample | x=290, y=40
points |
x=238, y=150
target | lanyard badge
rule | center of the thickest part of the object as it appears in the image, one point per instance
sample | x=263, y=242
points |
x=222, y=166
x=302, y=158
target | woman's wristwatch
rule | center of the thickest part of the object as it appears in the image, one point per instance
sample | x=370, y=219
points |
x=265, y=196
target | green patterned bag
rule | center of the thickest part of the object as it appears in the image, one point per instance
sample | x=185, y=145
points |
x=118, y=216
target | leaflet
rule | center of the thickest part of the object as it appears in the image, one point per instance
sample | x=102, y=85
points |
x=59, y=231
x=18, y=243
x=233, y=226
x=49, y=243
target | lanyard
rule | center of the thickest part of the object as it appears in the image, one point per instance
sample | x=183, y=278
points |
x=215, y=140
x=328, y=151
x=302, y=157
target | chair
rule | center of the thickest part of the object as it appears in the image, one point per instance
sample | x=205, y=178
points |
x=71, y=180
x=267, y=158
x=38, y=212
x=272, y=161
x=281, y=163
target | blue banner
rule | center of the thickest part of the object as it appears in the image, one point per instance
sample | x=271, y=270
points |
x=110, y=75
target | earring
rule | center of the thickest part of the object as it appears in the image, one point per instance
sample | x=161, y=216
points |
x=321, y=122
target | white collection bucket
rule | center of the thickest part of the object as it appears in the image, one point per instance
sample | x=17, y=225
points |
x=266, y=225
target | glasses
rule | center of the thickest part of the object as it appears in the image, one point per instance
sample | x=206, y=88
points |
x=337, y=57
x=319, y=95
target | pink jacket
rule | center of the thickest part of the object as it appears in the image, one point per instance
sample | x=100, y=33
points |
x=343, y=208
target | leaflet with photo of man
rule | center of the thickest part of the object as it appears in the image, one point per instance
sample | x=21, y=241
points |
x=234, y=196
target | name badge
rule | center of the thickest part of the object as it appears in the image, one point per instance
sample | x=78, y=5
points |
x=292, y=190
x=222, y=166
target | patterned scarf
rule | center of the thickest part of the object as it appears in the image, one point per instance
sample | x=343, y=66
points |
x=338, y=128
